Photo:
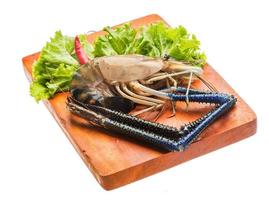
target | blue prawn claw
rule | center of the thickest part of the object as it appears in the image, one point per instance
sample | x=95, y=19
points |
x=163, y=136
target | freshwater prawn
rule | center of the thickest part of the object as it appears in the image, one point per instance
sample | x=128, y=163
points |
x=105, y=89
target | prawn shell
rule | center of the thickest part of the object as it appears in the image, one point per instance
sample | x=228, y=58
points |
x=128, y=67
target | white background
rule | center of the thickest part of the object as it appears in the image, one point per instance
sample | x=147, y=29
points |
x=38, y=162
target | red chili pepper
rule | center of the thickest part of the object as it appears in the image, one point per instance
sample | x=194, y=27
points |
x=80, y=52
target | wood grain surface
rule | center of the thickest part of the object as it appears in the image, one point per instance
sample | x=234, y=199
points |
x=116, y=161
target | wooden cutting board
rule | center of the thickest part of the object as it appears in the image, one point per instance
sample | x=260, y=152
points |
x=116, y=161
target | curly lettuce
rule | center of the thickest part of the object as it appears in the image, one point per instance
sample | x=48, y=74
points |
x=54, y=70
x=156, y=40
x=118, y=41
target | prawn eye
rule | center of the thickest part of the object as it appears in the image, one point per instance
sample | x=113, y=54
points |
x=166, y=57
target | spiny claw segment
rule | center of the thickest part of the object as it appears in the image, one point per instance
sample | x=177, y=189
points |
x=166, y=137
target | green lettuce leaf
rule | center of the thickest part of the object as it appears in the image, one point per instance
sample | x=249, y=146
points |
x=57, y=63
x=156, y=40
x=54, y=69
x=153, y=41
x=186, y=47
x=117, y=41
